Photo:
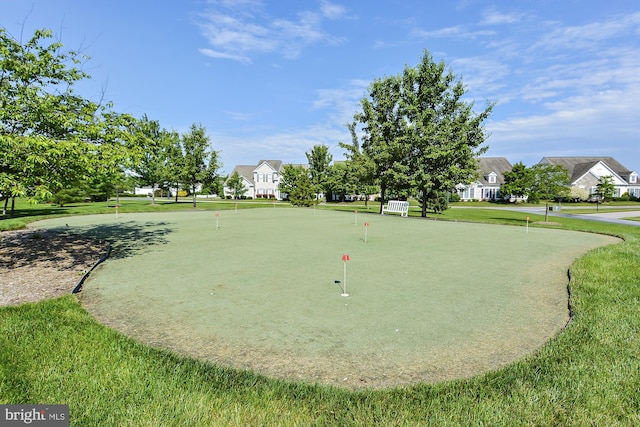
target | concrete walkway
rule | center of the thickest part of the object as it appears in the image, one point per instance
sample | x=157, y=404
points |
x=603, y=216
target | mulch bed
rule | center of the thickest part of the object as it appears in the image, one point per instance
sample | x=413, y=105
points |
x=37, y=264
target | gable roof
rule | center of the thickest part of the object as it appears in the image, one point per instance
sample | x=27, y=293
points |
x=245, y=171
x=578, y=166
x=275, y=164
x=498, y=165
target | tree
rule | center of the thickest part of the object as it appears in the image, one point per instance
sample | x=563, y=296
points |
x=361, y=170
x=444, y=133
x=605, y=188
x=296, y=184
x=518, y=181
x=50, y=138
x=200, y=165
x=153, y=168
x=549, y=181
x=235, y=184
x=419, y=133
x=319, y=160
x=384, y=136
x=41, y=120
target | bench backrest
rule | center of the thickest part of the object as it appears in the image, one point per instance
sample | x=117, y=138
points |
x=398, y=205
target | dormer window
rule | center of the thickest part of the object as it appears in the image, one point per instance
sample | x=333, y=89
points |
x=633, y=178
x=492, y=178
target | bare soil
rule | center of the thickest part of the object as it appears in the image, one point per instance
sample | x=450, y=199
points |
x=37, y=264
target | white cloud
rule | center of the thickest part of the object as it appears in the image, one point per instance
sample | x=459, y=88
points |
x=451, y=32
x=241, y=30
x=493, y=17
x=588, y=36
x=331, y=10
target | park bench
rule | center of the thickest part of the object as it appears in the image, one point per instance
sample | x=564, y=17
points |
x=396, y=206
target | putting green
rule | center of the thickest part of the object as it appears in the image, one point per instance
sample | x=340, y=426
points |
x=428, y=300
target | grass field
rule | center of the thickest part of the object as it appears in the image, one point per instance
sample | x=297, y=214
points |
x=55, y=352
x=428, y=300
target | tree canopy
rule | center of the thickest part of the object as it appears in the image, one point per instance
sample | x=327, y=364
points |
x=50, y=137
x=419, y=134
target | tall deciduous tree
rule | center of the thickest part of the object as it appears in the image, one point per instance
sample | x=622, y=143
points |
x=200, y=165
x=419, y=132
x=444, y=134
x=50, y=138
x=384, y=135
x=319, y=160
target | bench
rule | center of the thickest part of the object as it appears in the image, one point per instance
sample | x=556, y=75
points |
x=396, y=206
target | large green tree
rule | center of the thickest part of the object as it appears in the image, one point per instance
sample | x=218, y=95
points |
x=50, y=138
x=444, y=134
x=384, y=130
x=201, y=165
x=419, y=132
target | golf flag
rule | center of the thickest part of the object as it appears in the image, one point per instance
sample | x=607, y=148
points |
x=345, y=257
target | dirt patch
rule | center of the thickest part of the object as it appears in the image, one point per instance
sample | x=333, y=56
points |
x=36, y=264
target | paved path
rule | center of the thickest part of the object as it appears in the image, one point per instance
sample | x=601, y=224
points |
x=611, y=217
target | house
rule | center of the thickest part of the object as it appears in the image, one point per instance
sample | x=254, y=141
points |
x=261, y=181
x=586, y=172
x=490, y=178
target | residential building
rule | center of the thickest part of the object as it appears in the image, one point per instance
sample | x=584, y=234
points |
x=490, y=178
x=586, y=172
x=261, y=180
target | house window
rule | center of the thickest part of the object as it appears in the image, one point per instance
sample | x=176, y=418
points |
x=633, y=179
x=269, y=177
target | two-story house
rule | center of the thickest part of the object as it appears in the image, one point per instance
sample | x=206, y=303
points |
x=260, y=181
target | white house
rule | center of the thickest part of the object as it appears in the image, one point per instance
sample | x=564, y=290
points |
x=586, y=172
x=261, y=181
x=490, y=178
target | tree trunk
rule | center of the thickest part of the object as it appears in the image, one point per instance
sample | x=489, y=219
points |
x=383, y=189
x=546, y=211
x=193, y=189
x=4, y=209
x=13, y=206
x=424, y=204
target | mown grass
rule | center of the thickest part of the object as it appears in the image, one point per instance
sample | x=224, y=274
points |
x=55, y=352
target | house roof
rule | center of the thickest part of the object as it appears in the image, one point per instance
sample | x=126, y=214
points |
x=578, y=166
x=275, y=164
x=498, y=165
x=245, y=171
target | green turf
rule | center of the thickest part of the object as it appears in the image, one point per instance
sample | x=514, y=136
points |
x=429, y=300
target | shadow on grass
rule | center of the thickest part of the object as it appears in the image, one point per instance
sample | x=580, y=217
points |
x=128, y=238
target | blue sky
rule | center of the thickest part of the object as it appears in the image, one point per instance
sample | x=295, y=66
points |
x=271, y=79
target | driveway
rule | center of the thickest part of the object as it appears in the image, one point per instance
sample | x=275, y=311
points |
x=611, y=217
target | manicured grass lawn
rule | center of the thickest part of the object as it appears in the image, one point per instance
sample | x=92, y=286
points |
x=428, y=300
x=55, y=352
